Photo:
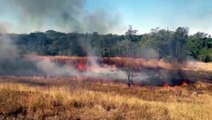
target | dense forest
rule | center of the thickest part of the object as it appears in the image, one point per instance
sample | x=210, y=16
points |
x=159, y=43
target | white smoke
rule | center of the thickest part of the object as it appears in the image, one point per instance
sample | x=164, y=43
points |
x=8, y=49
x=51, y=68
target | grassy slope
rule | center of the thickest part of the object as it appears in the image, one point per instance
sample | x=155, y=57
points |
x=62, y=98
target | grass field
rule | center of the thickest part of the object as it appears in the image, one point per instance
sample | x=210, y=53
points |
x=79, y=99
x=137, y=62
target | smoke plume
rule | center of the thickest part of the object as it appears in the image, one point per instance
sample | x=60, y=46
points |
x=4, y=27
x=11, y=62
x=68, y=16
x=62, y=15
x=52, y=69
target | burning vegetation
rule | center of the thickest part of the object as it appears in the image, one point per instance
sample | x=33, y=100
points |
x=94, y=87
x=88, y=72
x=102, y=87
x=142, y=72
x=131, y=78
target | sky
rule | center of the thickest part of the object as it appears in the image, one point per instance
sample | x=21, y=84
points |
x=104, y=16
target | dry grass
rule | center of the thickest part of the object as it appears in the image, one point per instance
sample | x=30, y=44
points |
x=63, y=98
x=122, y=61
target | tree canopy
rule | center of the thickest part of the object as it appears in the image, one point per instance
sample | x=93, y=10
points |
x=175, y=45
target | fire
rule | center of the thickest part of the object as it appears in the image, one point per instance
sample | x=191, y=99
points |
x=184, y=84
x=82, y=65
x=166, y=86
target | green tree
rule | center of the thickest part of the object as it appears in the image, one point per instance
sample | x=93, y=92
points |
x=178, y=45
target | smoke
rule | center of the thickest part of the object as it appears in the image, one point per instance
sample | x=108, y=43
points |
x=62, y=15
x=65, y=15
x=53, y=69
x=93, y=70
x=8, y=49
x=146, y=52
x=11, y=62
x=102, y=21
x=4, y=27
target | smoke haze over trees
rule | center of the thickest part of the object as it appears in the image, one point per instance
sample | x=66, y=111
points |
x=158, y=44
x=88, y=29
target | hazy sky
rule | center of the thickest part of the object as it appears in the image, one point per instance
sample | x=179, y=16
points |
x=105, y=16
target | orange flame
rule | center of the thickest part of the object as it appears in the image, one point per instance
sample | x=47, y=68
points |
x=81, y=65
x=184, y=84
x=166, y=86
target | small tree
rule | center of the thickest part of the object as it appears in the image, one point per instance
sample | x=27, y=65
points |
x=130, y=36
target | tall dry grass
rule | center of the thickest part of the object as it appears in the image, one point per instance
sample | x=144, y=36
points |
x=87, y=100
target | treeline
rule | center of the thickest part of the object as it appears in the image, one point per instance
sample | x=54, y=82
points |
x=159, y=43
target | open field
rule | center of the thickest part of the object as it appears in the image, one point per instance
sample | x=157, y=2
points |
x=79, y=99
x=105, y=60
x=90, y=93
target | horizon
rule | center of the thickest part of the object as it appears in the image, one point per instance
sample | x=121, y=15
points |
x=105, y=16
x=208, y=35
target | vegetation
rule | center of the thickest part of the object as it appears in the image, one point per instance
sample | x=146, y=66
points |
x=75, y=98
x=159, y=43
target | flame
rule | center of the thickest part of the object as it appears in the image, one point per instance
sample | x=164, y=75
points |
x=184, y=84
x=177, y=87
x=166, y=86
x=81, y=65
